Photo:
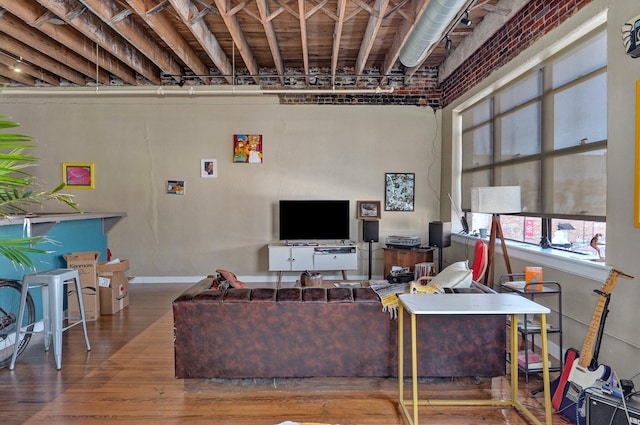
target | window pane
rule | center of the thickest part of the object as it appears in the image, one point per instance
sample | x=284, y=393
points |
x=473, y=179
x=478, y=114
x=576, y=235
x=514, y=227
x=580, y=113
x=527, y=176
x=580, y=183
x=587, y=57
x=520, y=132
x=477, y=147
x=520, y=93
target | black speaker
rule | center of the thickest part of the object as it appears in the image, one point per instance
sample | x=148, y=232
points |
x=440, y=234
x=370, y=230
x=602, y=409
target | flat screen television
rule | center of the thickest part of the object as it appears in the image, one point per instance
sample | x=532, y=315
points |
x=314, y=220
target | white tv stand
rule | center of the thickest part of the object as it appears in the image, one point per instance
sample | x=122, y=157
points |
x=288, y=257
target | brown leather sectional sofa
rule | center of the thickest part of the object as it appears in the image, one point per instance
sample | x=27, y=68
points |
x=322, y=332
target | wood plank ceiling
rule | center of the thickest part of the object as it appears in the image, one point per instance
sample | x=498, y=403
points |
x=269, y=43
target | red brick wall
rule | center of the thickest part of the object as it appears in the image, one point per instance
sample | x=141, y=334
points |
x=534, y=20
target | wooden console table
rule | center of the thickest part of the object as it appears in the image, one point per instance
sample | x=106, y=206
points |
x=470, y=304
x=405, y=258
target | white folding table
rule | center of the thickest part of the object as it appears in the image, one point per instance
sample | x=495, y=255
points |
x=470, y=304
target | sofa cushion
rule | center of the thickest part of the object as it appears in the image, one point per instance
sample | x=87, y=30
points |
x=314, y=295
x=289, y=295
x=339, y=295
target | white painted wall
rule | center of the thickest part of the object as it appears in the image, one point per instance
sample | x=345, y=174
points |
x=310, y=152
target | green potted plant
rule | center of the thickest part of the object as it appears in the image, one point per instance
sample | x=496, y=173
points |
x=19, y=191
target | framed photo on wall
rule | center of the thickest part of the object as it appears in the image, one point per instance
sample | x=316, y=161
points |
x=368, y=210
x=399, y=191
x=78, y=175
x=208, y=168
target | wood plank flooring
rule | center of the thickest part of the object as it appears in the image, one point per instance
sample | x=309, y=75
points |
x=128, y=377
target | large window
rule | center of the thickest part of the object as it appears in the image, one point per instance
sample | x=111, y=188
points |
x=546, y=132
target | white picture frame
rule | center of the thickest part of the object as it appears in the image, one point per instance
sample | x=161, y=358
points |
x=208, y=168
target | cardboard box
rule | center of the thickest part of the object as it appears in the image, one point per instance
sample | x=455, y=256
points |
x=114, y=286
x=86, y=263
x=533, y=275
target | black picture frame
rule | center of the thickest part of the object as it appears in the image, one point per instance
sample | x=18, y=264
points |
x=399, y=191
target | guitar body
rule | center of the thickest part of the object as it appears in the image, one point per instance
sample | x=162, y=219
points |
x=572, y=401
x=558, y=386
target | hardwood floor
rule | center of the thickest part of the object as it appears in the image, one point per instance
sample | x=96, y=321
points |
x=128, y=377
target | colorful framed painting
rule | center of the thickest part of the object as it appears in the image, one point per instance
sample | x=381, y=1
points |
x=399, y=191
x=247, y=148
x=175, y=187
x=78, y=175
x=208, y=168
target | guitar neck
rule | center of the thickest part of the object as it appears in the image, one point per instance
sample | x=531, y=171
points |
x=586, y=353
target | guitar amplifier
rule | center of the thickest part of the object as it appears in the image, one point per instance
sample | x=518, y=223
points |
x=603, y=409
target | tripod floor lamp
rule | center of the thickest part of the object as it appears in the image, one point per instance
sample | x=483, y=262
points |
x=495, y=200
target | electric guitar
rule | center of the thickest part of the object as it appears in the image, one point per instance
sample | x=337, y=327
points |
x=579, y=372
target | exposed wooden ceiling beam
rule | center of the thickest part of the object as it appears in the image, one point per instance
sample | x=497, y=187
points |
x=302, y=18
x=159, y=23
x=20, y=77
x=239, y=39
x=107, y=10
x=375, y=21
x=28, y=68
x=106, y=37
x=38, y=58
x=337, y=37
x=60, y=42
x=267, y=24
x=205, y=37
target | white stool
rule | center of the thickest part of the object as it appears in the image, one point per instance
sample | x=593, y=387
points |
x=52, y=283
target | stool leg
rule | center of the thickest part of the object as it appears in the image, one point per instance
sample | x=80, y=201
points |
x=23, y=301
x=82, y=316
x=55, y=311
x=46, y=317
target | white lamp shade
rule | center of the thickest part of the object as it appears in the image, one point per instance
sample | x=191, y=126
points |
x=496, y=200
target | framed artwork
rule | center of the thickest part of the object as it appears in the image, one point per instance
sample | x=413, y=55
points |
x=368, y=210
x=247, y=148
x=175, y=187
x=399, y=191
x=78, y=175
x=208, y=168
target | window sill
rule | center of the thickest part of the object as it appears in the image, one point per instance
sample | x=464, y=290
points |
x=567, y=262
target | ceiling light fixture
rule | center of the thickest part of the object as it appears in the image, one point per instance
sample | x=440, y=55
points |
x=465, y=20
x=16, y=66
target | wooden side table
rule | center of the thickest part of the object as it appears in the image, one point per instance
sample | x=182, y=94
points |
x=405, y=258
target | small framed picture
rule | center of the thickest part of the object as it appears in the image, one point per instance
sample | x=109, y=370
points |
x=78, y=175
x=208, y=168
x=175, y=187
x=368, y=210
